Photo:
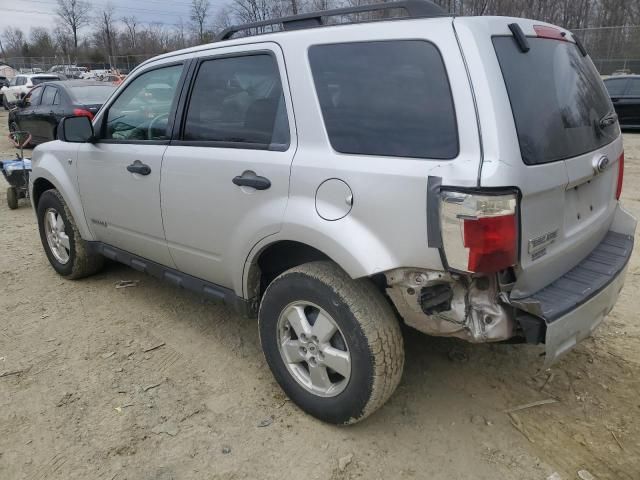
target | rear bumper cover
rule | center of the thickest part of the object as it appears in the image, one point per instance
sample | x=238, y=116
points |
x=575, y=304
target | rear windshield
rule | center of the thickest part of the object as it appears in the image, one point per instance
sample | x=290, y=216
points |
x=91, y=94
x=557, y=98
x=39, y=80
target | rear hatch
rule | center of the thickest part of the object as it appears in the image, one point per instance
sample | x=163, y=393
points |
x=555, y=140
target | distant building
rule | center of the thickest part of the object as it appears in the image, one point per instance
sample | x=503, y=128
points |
x=7, y=70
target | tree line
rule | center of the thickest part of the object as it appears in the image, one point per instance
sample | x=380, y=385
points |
x=97, y=33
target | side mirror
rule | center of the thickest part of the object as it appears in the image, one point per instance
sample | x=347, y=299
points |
x=75, y=130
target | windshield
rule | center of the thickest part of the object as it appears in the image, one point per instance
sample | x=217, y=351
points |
x=557, y=98
x=91, y=94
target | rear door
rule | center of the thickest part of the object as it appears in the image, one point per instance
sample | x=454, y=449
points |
x=27, y=114
x=550, y=141
x=45, y=118
x=225, y=178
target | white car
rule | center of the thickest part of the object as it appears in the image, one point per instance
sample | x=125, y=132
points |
x=21, y=84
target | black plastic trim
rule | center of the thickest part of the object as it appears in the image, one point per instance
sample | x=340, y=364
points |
x=583, y=282
x=210, y=290
x=434, y=234
x=520, y=37
x=580, y=45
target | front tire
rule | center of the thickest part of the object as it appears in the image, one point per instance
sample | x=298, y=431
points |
x=333, y=344
x=67, y=252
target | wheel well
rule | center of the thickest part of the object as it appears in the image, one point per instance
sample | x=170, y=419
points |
x=40, y=186
x=276, y=259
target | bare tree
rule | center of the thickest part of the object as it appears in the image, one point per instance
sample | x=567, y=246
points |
x=199, y=14
x=131, y=25
x=75, y=15
x=106, y=29
x=14, y=40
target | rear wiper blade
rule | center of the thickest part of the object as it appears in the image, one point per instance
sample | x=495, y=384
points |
x=608, y=119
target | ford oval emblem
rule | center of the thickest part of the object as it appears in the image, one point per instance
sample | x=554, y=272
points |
x=602, y=164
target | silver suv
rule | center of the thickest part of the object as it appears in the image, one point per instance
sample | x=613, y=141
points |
x=460, y=175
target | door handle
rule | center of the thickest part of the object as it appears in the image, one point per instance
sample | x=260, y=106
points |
x=139, y=168
x=250, y=179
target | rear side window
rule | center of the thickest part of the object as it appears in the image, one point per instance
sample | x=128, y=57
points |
x=389, y=98
x=616, y=86
x=238, y=101
x=49, y=95
x=634, y=87
x=557, y=99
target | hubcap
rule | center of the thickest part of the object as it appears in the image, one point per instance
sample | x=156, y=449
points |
x=314, y=349
x=57, y=239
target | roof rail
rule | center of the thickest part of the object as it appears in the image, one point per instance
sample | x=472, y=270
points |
x=414, y=9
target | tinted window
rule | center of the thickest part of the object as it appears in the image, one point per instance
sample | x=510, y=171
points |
x=32, y=99
x=634, y=87
x=21, y=80
x=49, y=95
x=92, y=94
x=615, y=86
x=141, y=112
x=557, y=99
x=238, y=100
x=39, y=80
x=385, y=98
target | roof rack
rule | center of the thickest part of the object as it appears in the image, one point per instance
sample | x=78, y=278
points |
x=414, y=9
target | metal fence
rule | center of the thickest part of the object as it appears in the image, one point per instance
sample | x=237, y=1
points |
x=123, y=63
x=613, y=49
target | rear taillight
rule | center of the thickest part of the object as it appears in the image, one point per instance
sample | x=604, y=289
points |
x=620, y=176
x=479, y=231
x=81, y=112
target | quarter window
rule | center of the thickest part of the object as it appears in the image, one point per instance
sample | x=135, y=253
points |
x=142, y=110
x=238, y=100
x=389, y=98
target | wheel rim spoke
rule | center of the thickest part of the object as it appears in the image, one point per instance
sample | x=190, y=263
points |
x=59, y=224
x=337, y=360
x=323, y=329
x=64, y=240
x=291, y=350
x=319, y=377
x=51, y=220
x=298, y=321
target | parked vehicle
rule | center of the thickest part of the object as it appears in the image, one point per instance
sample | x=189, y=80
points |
x=42, y=109
x=625, y=95
x=69, y=71
x=197, y=171
x=4, y=82
x=21, y=84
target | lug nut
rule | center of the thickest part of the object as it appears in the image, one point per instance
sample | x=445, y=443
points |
x=314, y=339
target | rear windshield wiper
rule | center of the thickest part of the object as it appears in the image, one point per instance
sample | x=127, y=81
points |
x=608, y=119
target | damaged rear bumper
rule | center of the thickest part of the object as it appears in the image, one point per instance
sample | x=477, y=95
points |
x=575, y=304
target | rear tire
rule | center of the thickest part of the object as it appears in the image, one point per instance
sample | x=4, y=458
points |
x=67, y=252
x=12, y=198
x=315, y=316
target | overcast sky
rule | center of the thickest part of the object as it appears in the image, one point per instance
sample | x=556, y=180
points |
x=41, y=13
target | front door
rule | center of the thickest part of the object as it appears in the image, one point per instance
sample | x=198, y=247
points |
x=119, y=175
x=225, y=180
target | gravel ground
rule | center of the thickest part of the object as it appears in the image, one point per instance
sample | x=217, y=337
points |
x=152, y=382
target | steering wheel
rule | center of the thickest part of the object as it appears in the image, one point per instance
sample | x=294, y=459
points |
x=152, y=124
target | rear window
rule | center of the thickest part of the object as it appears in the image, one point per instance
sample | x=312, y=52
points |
x=389, y=98
x=91, y=94
x=39, y=80
x=557, y=98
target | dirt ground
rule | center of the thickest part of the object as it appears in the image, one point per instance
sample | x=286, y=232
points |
x=152, y=382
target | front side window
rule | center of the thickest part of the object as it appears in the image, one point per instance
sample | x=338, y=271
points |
x=389, y=98
x=142, y=110
x=238, y=100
